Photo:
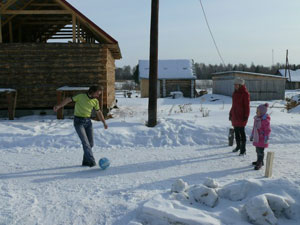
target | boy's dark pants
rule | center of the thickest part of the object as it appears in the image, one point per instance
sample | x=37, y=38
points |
x=84, y=129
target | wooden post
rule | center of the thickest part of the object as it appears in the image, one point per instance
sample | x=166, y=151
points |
x=77, y=32
x=11, y=101
x=269, y=166
x=10, y=32
x=101, y=101
x=60, y=97
x=0, y=29
x=74, y=28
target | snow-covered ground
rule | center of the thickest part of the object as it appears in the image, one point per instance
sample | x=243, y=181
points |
x=180, y=172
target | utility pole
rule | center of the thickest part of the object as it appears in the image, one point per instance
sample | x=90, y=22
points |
x=152, y=104
x=287, y=66
x=272, y=57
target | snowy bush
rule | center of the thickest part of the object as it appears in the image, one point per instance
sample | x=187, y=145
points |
x=205, y=112
x=185, y=108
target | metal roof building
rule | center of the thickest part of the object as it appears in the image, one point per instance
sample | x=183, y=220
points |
x=260, y=86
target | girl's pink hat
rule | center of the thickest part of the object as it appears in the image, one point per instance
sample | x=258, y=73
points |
x=263, y=108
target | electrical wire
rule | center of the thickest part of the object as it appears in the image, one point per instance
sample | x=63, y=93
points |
x=211, y=34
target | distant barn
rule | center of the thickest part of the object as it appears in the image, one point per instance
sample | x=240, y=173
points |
x=292, y=76
x=33, y=63
x=173, y=75
x=260, y=86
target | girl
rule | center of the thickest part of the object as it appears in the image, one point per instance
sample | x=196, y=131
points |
x=260, y=134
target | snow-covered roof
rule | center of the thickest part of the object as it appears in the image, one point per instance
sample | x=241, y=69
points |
x=246, y=73
x=7, y=90
x=169, y=69
x=295, y=74
x=67, y=88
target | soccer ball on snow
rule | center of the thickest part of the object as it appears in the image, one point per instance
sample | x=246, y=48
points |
x=104, y=163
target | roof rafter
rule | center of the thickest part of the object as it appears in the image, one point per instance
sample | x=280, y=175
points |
x=11, y=17
x=7, y=4
x=34, y=12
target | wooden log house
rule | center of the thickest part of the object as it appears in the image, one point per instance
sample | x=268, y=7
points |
x=47, y=44
x=173, y=75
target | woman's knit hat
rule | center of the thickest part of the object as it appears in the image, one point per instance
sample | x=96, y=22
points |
x=263, y=108
x=239, y=81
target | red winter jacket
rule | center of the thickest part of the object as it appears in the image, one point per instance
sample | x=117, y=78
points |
x=240, y=109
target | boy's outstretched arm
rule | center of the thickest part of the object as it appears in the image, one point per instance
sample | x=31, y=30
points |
x=62, y=104
x=100, y=116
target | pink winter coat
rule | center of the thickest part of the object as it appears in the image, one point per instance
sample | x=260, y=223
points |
x=261, y=131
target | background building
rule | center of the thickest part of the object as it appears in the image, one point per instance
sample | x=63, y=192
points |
x=260, y=86
x=173, y=75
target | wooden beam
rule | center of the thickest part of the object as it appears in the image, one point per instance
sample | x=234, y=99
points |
x=59, y=34
x=60, y=95
x=65, y=18
x=34, y=12
x=11, y=17
x=44, y=4
x=9, y=3
x=10, y=32
x=1, y=30
x=77, y=31
x=20, y=33
x=70, y=37
x=48, y=23
x=11, y=100
x=74, y=27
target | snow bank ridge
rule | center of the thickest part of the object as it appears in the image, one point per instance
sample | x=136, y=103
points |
x=195, y=200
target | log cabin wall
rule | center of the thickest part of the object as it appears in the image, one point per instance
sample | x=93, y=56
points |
x=177, y=85
x=36, y=70
x=110, y=77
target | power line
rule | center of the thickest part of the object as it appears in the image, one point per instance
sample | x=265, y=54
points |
x=211, y=34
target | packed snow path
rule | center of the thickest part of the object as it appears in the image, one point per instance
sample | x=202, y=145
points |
x=42, y=182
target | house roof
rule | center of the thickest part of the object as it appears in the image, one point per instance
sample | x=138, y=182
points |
x=295, y=74
x=169, y=69
x=226, y=73
x=41, y=20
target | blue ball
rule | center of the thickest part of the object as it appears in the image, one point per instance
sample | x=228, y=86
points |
x=104, y=163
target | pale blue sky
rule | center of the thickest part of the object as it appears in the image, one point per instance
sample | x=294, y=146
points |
x=245, y=31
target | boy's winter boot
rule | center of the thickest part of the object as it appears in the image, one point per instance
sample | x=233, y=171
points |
x=238, y=146
x=243, y=148
x=85, y=162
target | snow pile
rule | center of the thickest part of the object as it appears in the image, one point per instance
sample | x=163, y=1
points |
x=265, y=209
x=42, y=180
x=245, y=199
x=295, y=109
